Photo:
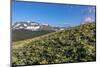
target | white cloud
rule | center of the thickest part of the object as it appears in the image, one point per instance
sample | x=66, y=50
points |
x=88, y=20
x=91, y=9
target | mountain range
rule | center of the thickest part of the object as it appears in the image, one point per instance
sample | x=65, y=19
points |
x=34, y=26
x=24, y=30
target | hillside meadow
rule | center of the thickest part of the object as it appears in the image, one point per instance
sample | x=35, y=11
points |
x=75, y=44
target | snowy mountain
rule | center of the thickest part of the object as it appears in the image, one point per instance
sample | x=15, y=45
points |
x=26, y=25
x=25, y=30
x=34, y=26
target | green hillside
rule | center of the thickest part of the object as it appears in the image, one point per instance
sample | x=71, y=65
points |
x=22, y=34
x=76, y=44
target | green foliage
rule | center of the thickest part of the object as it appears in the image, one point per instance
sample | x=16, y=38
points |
x=76, y=44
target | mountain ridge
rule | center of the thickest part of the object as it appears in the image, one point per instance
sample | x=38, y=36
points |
x=34, y=26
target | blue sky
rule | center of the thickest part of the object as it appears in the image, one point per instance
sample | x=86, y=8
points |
x=53, y=14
